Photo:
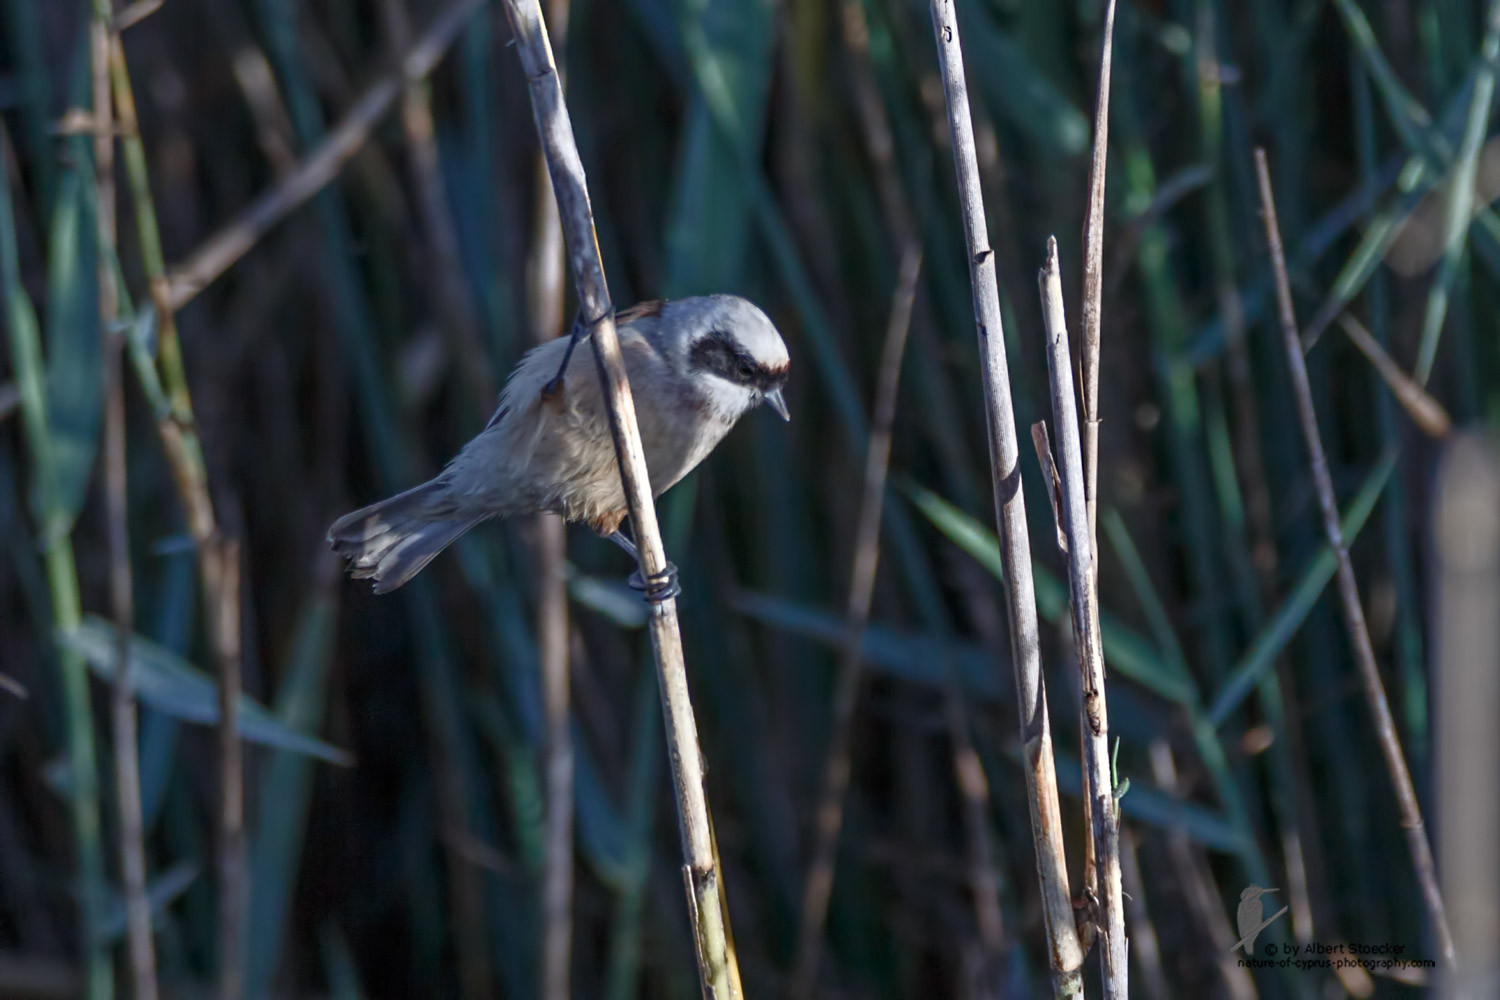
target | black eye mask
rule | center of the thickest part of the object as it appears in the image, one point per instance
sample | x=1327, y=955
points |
x=718, y=355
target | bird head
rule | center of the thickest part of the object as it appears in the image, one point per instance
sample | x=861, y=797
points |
x=1254, y=892
x=729, y=351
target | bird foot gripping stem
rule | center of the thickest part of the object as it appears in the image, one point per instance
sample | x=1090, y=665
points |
x=578, y=333
x=659, y=587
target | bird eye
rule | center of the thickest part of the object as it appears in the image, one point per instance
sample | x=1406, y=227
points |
x=746, y=370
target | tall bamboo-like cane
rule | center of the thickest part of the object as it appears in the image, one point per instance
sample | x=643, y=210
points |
x=1100, y=808
x=571, y=189
x=1065, y=954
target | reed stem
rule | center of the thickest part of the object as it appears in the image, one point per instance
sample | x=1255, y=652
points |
x=1348, y=586
x=700, y=870
x=141, y=948
x=1100, y=808
x=1065, y=956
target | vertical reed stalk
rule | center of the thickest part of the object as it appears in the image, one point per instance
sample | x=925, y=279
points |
x=570, y=187
x=122, y=604
x=1065, y=955
x=1093, y=278
x=1465, y=526
x=901, y=220
x=1093, y=294
x=1099, y=801
x=546, y=275
x=1354, y=616
x=836, y=769
x=232, y=865
x=218, y=558
x=552, y=653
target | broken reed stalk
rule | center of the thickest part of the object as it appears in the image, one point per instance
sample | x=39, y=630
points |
x=1099, y=803
x=218, y=557
x=1093, y=278
x=1425, y=411
x=140, y=947
x=220, y=251
x=1065, y=956
x=829, y=818
x=546, y=278
x=1354, y=616
x=570, y=188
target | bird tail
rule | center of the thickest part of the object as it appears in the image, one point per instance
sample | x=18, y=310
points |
x=389, y=542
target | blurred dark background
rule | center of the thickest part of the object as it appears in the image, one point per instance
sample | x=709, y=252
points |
x=355, y=346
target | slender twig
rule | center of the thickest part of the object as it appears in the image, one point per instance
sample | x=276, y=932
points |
x=571, y=190
x=1099, y=804
x=1425, y=411
x=1065, y=957
x=546, y=276
x=829, y=817
x=122, y=605
x=1093, y=276
x=1354, y=616
x=216, y=254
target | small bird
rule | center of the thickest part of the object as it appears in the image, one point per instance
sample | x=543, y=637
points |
x=1247, y=918
x=695, y=365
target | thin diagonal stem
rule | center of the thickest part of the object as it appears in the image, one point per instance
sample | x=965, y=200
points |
x=321, y=165
x=1354, y=616
x=570, y=187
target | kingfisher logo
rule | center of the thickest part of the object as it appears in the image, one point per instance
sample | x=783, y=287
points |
x=1248, y=918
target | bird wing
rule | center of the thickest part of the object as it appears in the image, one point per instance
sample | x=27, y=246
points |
x=650, y=309
x=555, y=452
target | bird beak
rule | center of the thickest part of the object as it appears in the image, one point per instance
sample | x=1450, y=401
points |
x=777, y=402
